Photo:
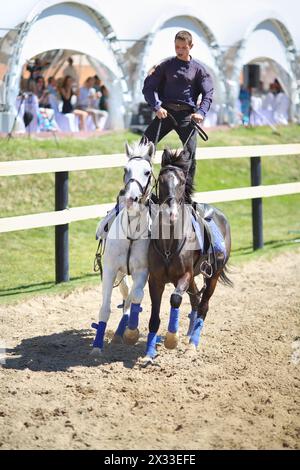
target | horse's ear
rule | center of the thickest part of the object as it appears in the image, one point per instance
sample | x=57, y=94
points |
x=128, y=150
x=144, y=140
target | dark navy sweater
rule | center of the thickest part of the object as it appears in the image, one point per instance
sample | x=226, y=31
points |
x=179, y=81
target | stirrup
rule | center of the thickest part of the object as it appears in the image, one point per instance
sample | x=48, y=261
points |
x=206, y=269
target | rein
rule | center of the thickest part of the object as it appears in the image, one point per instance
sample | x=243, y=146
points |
x=169, y=116
x=166, y=254
x=196, y=128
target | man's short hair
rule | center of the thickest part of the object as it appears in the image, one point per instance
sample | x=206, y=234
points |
x=184, y=36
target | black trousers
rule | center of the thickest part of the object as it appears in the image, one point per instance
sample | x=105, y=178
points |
x=183, y=129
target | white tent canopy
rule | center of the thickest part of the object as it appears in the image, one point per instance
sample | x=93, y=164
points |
x=264, y=43
x=64, y=27
x=103, y=31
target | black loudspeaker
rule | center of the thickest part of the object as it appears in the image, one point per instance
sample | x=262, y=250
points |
x=251, y=74
x=145, y=114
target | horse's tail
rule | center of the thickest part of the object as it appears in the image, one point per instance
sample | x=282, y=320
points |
x=224, y=279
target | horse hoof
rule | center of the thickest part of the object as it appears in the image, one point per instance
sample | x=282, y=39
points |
x=130, y=337
x=116, y=339
x=96, y=352
x=171, y=340
x=146, y=361
x=191, y=349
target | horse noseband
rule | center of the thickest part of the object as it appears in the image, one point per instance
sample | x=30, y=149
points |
x=143, y=190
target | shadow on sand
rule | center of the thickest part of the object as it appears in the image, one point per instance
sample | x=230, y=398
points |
x=72, y=348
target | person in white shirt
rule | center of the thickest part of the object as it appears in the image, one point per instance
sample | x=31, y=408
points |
x=70, y=71
x=88, y=101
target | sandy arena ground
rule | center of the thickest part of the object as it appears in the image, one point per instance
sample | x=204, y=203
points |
x=241, y=390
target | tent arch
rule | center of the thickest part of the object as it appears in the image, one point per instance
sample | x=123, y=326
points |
x=276, y=44
x=101, y=44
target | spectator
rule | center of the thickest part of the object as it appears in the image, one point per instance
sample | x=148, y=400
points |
x=42, y=93
x=70, y=71
x=89, y=102
x=59, y=84
x=36, y=68
x=244, y=98
x=2, y=90
x=281, y=105
x=69, y=98
x=52, y=86
x=100, y=87
x=277, y=87
x=46, y=112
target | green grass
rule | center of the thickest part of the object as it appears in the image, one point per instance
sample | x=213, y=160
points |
x=27, y=257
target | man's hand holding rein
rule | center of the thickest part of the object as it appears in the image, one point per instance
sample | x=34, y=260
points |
x=197, y=117
x=161, y=113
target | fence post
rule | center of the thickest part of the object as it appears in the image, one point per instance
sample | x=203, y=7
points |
x=61, y=231
x=257, y=207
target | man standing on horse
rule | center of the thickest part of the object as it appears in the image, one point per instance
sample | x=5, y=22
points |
x=172, y=90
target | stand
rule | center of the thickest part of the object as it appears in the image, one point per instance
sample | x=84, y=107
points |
x=10, y=134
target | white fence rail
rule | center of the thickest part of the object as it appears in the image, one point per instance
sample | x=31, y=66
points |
x=74, y=214
x=55, y=165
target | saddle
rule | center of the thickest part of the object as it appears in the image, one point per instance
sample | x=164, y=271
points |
x=210, y=239
x=105, y=224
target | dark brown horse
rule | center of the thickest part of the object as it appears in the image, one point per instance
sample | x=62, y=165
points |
x=176, y=255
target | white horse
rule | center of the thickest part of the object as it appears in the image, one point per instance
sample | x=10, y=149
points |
x=126, y=248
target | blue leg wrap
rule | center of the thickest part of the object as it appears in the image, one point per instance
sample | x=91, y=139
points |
x=192, y=316
x=151, y=343
x=195, y=337
x=135, y=309
x=100, y=327
x=122, y=325
x=174, y=320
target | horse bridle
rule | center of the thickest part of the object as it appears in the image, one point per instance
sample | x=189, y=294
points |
x=143, y=194
x=175, y=169
x=133, y=180
x=167, y=255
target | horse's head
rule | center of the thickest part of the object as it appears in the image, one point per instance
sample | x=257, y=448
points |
x=172, y=182
x=137, y=173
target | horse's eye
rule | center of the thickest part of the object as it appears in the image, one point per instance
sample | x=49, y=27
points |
x=147, y=173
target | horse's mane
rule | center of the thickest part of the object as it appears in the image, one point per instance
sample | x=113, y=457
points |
x=181, y=160
x=139, y=149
